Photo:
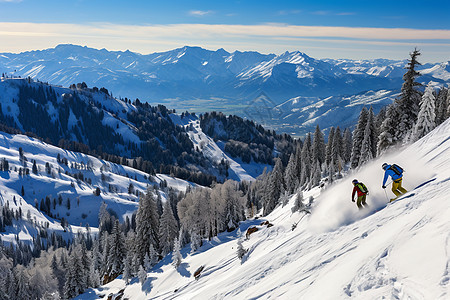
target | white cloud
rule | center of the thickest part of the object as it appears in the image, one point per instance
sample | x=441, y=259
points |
x=266, y=38
x=200, y=13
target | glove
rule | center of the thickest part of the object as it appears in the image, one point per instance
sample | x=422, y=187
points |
x=383, y=186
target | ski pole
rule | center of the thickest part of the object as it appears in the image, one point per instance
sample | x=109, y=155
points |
x=387, y=198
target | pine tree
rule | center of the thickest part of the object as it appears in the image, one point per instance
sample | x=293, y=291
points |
x=176, y=255
x=34, y=168
x=448, y=105
x=387, y=138
x=298, y=160
x=142, y=275
x=74, y=282
x=94, y=277
x=233, y=201
x=318, y=146
x=441, y=106
x=168, y=229
x=368, y=147
x=347, y=145
x=298, y=202
x=240, y=249
x=147, y=263
x=316, y=174
x=374, y=132
x=358, y=137
x=426, y=118
x=147, y=226
x=329, y=147
x=306, y=161
x=23, y=288
x=407, y=104
x=116, y=252
x=275, y=187
x=337, y=149
x=290, y=175
x=366, y=153
x=85, y=262
x=196, y=241
x=127, y=268
x=153, y=256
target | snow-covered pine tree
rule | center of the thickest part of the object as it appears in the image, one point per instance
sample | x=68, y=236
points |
x=448, y=105
x=142, y=275
x=387, y=138
x=298, y=202
x=379, y=118
x=240, y=249
x=329, y=147
x=318, y=146
x=275, y=187
x=23, y=289
x=195, y=241
x=147, y=226
x=305, y=174
x=426, y=117
x=374, y=132
x=316, y=174
x=441, y=106
x=290, y=175
x=358, y=137
x=347, y=145
x=176, y=254
x=147, y=263
x=298, y=160
x=407, y=104
x=337, y=149
x=94, y=277
x=74, y=282
x=366, y=147
x=234, y=202
x=127, y=268
x=85, y=261
x=116, y=252
x=168, y=229
x=331, y=171
x=153, y=255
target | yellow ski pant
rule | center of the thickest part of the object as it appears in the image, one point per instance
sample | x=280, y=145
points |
x=397, y=188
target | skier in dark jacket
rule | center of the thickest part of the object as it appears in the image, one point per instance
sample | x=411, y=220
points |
x=362, y=191
x=397, y=177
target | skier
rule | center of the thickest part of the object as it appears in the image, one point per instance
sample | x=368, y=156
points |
x=362, y=191
x=396, y=173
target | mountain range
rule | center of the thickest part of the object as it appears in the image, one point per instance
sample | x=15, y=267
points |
x=196, y=79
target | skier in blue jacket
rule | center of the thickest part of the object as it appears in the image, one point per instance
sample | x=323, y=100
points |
x=397, y=176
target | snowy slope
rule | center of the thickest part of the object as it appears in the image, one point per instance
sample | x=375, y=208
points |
x=300, y=115
x=113, y=181
x=213, y=151
x=401, y=251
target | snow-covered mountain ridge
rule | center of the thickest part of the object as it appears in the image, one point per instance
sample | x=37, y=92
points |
x=154, y=136
x=398, y=251
x=183, y=75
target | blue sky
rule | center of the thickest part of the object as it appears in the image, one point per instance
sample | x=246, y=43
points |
x=390, y=29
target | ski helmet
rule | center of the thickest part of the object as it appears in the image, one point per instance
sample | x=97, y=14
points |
x=354, y=181
x=384, y=166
